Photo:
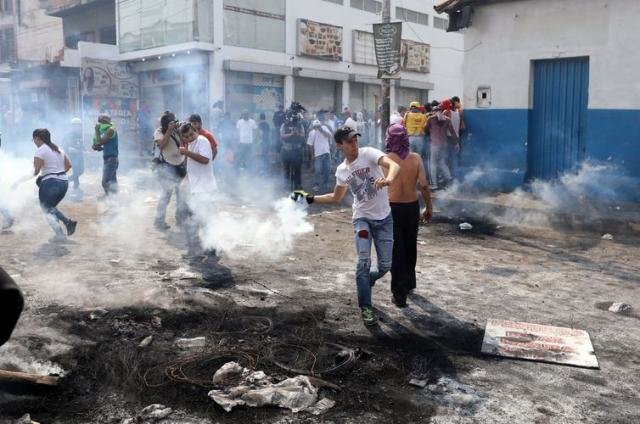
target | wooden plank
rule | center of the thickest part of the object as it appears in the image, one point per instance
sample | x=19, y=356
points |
x=536, y=342
x=25, y=377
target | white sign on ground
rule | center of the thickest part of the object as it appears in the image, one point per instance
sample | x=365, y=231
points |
x=536, y=342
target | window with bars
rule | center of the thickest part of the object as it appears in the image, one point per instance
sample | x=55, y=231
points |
x=372, y=6
x=440, y=23
x=6, y=6
x=7, y=45
x=408, y=15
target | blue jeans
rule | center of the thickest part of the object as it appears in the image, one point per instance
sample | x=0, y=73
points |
x=170, y=182
x=109, y=177
x=322, y=171
x=50, y=193
x=381, y=233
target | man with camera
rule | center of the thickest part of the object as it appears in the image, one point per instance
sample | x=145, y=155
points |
x=170, y=169
x=292, y=135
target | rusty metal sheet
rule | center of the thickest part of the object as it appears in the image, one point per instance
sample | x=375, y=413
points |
x=536, y=342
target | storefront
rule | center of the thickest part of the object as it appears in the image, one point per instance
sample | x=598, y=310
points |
x=404, y=96
x=316, y=94
x=255, y=92
x=182, y=90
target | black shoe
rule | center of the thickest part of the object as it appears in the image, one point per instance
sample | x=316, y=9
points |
x=162, y=226
x=71, y=227
x=400, y=302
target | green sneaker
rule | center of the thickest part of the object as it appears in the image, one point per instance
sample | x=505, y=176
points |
x=368, y=316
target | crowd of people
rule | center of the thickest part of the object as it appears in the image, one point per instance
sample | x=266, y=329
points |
x=421, y=148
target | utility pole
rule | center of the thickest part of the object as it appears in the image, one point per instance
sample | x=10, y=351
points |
x=386, y=82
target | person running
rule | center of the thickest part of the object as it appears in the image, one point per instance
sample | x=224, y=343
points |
x=405, y=210
x=52, y=165
x=73, y=146
x=106, y=140
x=199, y=157
x=362, y=173
x=170, y=169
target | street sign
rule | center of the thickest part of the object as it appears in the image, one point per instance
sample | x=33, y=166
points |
x=387, y=38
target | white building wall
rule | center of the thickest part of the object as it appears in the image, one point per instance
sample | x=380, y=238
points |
x=39, y=36
x=605, y=30
x=446, y=52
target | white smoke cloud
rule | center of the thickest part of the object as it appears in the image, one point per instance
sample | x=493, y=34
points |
x=244, y=233
x=587, y=193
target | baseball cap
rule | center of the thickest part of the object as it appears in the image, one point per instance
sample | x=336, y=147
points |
x=344, y=133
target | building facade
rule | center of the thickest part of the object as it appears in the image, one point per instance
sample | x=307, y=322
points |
x=549, y=85
x=255, y=55
x=185, y=55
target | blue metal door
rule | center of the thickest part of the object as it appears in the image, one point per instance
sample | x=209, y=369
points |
x=557, y=119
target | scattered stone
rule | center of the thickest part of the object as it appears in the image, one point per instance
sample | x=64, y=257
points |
x=114, y=261
x=607, y=237
x=465, y=226
x=146, y=341
x=156, y=321
x=155, y=412
x=322, y=406
x=619, y=307
x=189, y=343
x=422, y=243
x=97, y=314
x=418, y=383
x=25, y=419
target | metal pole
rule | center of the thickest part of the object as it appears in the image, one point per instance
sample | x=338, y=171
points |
x=386, y=86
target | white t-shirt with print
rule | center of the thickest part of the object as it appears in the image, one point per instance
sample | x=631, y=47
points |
x=201, y=179
x=360, y=176
x=245, y=130
x=53, y=162
x=320, y=141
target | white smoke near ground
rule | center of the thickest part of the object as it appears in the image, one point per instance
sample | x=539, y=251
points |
x=245, y=233
x=587, y=193
x=16, y=199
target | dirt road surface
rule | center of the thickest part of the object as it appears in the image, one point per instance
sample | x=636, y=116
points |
x=90, y=302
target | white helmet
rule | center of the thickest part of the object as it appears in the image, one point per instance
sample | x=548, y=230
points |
x=315, y=123
x=76, y=121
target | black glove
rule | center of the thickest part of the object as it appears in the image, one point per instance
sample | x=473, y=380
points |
x=297, y=194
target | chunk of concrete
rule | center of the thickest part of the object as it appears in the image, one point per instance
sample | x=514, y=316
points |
x=619, y=307
x=190, y=343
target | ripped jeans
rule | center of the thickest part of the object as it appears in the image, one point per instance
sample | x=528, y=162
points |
x=381, y=233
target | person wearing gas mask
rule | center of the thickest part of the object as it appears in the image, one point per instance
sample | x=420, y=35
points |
x=292, y=135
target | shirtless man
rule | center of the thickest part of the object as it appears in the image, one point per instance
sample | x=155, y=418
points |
x=405, y=210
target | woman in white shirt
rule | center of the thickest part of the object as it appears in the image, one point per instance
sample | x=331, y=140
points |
x=52, y=165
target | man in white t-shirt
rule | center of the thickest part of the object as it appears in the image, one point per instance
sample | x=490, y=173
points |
x=320, y=151
x=361, y=172
x=201, y=184
x=458, y=126
x=247, y=128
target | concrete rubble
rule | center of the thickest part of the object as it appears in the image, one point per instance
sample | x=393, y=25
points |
x=619, y=307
